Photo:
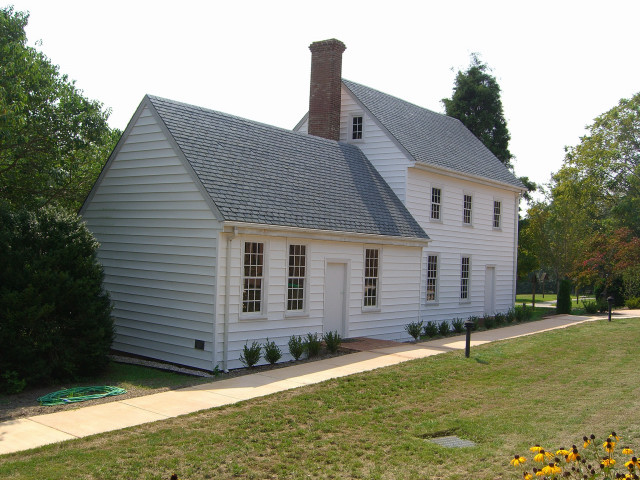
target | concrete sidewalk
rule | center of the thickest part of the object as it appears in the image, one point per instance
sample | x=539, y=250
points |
x=31, y=432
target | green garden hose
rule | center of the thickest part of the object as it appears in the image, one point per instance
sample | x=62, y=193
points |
x=79, y=394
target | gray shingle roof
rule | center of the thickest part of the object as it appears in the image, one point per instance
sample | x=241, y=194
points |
x=433, y=138
x=262, y=174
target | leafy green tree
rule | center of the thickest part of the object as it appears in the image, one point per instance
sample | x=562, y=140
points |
x=476, y=103
x=53, y=140
x=55, y=317
x=608, y=162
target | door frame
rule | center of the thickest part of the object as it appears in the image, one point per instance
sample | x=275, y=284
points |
x=347, y=283
x=493, y=289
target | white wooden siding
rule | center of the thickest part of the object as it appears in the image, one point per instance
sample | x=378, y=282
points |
x=159, y=242
x=451, y=239
x=398, y=296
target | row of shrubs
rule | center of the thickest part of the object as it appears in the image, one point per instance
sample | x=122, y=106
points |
x=602, y=306
x=310, y=345
x=444, y=328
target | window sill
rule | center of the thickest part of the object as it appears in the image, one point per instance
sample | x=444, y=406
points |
x=300, y=314
x=371, y=309
x=434, y=303
x=435, y=220
x=248, y=317
x=467, y=225
x=497, y=229
x=464, y=302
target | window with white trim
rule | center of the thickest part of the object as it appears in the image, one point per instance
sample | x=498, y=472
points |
x=465, y=272
x=296, y=277
x=436, y=199
x=252, y=277
x=432, y=278
x=356, y=128
x=466, y=209
x=371, y=268
x=497, y=205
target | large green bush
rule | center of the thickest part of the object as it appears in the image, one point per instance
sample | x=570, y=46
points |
x=563, y=304
x=55, y=317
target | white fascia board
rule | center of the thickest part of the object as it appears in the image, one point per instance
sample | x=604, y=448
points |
x=331, y=235
x=467, y=176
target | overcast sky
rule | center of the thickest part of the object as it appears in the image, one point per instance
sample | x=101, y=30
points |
x=559, y=63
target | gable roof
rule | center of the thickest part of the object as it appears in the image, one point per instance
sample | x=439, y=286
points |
x=260, y=174
x=432, y=138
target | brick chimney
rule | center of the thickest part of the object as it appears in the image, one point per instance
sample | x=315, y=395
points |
x=326, y=81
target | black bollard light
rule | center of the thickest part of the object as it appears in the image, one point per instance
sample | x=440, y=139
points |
x=610, y=302
x=467, y=348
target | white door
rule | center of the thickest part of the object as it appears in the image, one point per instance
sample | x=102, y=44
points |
x=334, y=298
x=490, y=291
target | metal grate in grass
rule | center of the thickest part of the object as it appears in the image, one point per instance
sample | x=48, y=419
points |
x=452, y=442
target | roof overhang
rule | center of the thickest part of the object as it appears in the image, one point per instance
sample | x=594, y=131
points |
x=467, y=176
x=315, y=234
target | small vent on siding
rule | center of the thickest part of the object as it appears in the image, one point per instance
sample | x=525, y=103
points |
x=199, y=345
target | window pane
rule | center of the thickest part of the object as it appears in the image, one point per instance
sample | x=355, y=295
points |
x=432, y=278
x=496, y=214
x=296, y=278
x=464, y=278
x=252, y=282
x=436, y=195
x=371, y=277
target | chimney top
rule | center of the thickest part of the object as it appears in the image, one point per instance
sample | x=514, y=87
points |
x=325, y=92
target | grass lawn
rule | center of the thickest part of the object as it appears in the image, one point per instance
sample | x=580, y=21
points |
x=548, y=297
x=549, y=388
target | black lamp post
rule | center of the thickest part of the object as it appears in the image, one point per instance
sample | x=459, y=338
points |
x=610, y=300
x=467, y=348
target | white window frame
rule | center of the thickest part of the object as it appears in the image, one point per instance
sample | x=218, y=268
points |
x=463, y=284
x=376, y=306
x=304, y=278
x=352, y=131
x=436, y=279
x=470, y=209
x=498, y=216
x=432, y=204
x=262, y=277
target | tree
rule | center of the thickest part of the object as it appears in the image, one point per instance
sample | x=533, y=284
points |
x=476, y=103
x=608, y=160
x=53, y=140
x=55, y=317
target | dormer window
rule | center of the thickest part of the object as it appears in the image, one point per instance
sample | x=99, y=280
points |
x=356, y=128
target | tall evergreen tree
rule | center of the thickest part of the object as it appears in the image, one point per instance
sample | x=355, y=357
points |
x=476, y=103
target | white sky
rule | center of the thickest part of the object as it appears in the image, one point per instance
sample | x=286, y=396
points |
x=559, y=63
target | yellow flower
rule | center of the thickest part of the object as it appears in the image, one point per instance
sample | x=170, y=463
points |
x=573, y=455
x=527, y=476
x=608, y=445
x=586, y=443
x=562, y=452
x=536, y=448
x=613, y=435
x=632, y=463
x=627, y=451
x=607, y=462
x=517, y=460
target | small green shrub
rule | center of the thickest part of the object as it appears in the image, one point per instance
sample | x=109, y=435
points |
x=443, y=328
x=312, y=345
x=510, y=316
x=458, y=325
x=590, y=306
x=10, y=382
x=603, y=306
x=633, y=303
x=563, y=304
x=250, y=354
x=489, y=322
x=272, y=352
x=414, y=329
x=296, y=347
x=431, y=329
x=476, y=322
x=523, y=313
x=332, y=341
x=500, y=319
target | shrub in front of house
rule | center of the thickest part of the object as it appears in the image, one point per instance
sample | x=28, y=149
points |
x=55, y=316
x=332, y=341
x=458, y=325
x=272, y=352
x=489, y=322
x=414, y=329
x=633, y=303
x=250, y=354
x=563, y=304
x=510, y=316
x=443, y=328
x=431, y=329
x=500, y=319
x=296, y=347
x=312, y=345
x=590, y=306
